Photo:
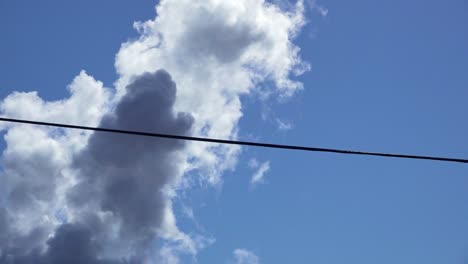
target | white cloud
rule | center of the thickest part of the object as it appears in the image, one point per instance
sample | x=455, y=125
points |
x=253, y=163
x=215, y=50
x=259, y=176
x=88, y=100
x=188, y=212
x=283, y=125
x=323, y=11
x=243, y=256
x=36, y=161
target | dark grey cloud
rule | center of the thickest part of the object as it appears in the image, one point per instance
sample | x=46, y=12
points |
x=4, y=227
x=71, y=244
x=74, y=244
x=126, y=173
x=119, y=175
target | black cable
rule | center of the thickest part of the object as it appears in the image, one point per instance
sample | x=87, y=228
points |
x=234, y=142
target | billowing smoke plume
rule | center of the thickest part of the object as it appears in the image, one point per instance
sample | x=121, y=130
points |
x=105, y=198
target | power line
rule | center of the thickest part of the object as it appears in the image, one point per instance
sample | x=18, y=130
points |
x=235, y=142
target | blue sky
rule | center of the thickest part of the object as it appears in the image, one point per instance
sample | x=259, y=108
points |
x=387, y=76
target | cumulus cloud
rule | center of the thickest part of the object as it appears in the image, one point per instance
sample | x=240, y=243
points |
x=118, y=199
x=88, y=101
x=34, y=163
x=109, y=197
x=72, y=244
x=125, y=176
x=216, y=52
x=243, y=256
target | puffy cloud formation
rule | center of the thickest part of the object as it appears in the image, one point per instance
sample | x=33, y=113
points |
x=34, y=172
x=216, y=51
x=243, y=256
x=116, y=205
x=105, y=198
x=124, y=176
